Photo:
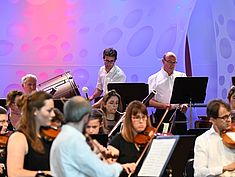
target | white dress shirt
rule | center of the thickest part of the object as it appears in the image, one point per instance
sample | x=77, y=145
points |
x=114, y=75
x=210, y=154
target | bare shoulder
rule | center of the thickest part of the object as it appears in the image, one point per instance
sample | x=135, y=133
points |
x=17, y=138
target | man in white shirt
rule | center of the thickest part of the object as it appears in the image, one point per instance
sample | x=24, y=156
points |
x=108, y=73
x=163, y=82
x=211, y=156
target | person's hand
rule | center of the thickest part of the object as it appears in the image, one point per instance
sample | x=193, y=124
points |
x=229, y=167
x=183, y=108
x=129, y=167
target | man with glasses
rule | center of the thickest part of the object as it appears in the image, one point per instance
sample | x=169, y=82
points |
x=108, y=73
x=163, y=82
x=211, y=156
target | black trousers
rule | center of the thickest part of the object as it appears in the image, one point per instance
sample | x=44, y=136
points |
x=176, y=119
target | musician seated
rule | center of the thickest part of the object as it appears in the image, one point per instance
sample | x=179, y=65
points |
x=212, y=157
x=124, y=144
x=95, y=122
x=70, y=153
x=3, y=140
x=231, y=97
x=27, y=152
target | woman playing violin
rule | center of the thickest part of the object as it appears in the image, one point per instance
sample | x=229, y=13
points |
x=123, y=144
x=3, y=140
x=27, y=152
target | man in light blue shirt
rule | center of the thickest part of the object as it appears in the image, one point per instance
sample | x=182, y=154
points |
x=71, y=156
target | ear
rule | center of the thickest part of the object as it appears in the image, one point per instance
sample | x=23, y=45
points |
x=163, y=61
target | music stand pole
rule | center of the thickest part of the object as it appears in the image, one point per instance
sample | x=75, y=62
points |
x=190, y=114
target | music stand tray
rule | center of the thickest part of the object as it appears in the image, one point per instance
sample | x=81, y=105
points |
x=189, y=90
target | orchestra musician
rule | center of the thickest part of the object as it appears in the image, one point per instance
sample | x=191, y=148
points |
x=95, y=122
x=163, y=82
x=27, y=152
x=108, y=73
x=211, y=156
x=124, y=144
x=3, y=140
x=14, y=111
x=29, y=83
x=231, y=97
x=112, y=106
x=70, y=153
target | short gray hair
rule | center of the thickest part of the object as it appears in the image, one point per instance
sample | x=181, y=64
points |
x=23, y=79
x=75, y=109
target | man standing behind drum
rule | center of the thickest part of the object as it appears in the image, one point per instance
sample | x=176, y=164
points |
x=29, y=83
x=108, y=73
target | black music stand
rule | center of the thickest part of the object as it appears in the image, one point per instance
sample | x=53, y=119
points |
x=130, y=91
x=233, y=80
x=189, y=90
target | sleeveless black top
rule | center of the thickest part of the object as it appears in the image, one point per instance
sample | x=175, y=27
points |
x=36, y=161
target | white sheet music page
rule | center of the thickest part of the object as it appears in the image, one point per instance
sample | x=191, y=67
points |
x=156, y=157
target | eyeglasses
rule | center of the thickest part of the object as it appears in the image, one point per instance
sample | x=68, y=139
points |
x=109, y=61
x=225, y=117
x=170, y=62
x=139, y=118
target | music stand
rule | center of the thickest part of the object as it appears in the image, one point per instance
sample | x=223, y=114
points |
x=233, y=80
x=130, y=91
x=189, y=90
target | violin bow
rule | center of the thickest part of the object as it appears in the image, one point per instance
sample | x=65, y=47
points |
x=147, y=145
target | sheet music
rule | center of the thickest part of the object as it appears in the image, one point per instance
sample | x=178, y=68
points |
x=231, y=135
x=157, y=157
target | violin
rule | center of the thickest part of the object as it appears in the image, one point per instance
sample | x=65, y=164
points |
x=49, y=133
x=4, y=139
x=227, y=137
x=145, y=137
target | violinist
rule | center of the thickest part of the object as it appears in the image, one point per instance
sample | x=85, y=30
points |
x=14, y=111
x=95, y=122
x=27, y=152
x=3, y=141
x=124, y=144
x=211, y=156
x=70, y=153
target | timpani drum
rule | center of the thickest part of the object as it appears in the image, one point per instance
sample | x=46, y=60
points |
x=61, y=86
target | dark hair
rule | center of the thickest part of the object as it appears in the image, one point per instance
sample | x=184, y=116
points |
x=59, y=116
x=230, y=93
x=27, y=123
x=75, y=109
x=11, y=96
x=214, y=106
x=107, y=96
x=98, y=114
x=3, y=110
x=110, y=52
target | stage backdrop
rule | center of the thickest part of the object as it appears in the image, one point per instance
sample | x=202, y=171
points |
x=50, y=37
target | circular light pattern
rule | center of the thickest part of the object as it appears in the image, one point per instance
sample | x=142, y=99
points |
x=134, y=78
x=133, y=18
x=83, y=53
x=25, y=47
x=52, y=38
x=16, y=30
x=10, y=88
x=84, y=30
x=81, y=77
x=225, y=48
x=221, y=19
x=140, y=41
x=68, y=57
x=112, y=36
x=166, y=41
x=224, y=93
x=6, y=47
x=37, y=40
x=230, y=68
x=221, y=80
x=37, y=2
x=65, y=46
x=230, y=29
x=47, y=52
